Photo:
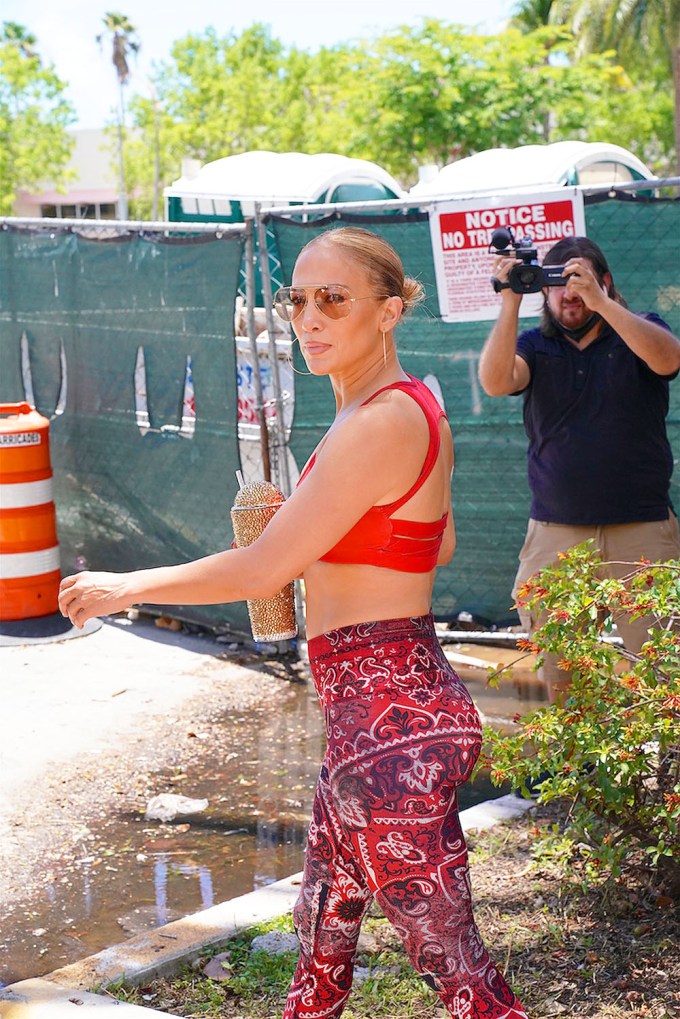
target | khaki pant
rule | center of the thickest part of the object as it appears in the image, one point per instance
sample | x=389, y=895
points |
x=624, y=543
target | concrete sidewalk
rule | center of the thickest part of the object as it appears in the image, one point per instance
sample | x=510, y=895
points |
x=80, y=693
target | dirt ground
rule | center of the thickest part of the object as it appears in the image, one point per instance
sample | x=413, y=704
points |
x=87, y=721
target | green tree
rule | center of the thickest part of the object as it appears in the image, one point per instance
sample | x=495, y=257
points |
x=532, y=14
x=444, y=93
x=645, y=33
x=123, y=37
x=221, y=96
x=646, y=126
x=34, y=116
x=528, y=16
x=402, y=99
x=153, y=156
x=327, y=100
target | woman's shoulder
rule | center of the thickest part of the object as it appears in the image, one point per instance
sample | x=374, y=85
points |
x=390, y=421
x=398, y=402
x=412, y=399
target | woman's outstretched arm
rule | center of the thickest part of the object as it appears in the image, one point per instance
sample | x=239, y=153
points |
x=373, y=456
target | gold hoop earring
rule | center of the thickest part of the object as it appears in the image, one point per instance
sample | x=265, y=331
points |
x=289, y=359
x=297, y=370
x=384, y=351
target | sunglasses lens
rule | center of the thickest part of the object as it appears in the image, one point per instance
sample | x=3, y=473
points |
x=334, y=301
x=288, y=303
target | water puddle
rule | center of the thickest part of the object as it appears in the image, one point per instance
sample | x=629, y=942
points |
x=132, y=874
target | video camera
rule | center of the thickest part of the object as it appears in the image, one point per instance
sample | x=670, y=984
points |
x=529, y=277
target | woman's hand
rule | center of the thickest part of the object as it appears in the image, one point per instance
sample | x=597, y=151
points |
x=86, y=595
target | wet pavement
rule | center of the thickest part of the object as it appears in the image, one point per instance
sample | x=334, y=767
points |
x=132, y=874
x=127, y=874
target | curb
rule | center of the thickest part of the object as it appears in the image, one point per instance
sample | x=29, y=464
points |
x=41, y=999
x=162, y=951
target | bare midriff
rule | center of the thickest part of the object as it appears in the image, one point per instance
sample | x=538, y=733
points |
x=339, y=594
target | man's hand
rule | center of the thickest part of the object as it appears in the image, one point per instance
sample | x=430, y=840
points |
x=583, y=282
x=502, y=267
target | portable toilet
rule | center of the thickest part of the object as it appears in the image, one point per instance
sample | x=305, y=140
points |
x=225, y=190
x=536, y=166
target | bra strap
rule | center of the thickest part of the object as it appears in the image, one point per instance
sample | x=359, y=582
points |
x=425, y=401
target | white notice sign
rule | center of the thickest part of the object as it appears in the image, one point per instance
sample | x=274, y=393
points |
x=461, y=233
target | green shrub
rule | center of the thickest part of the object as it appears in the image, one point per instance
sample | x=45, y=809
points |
x=612, y=749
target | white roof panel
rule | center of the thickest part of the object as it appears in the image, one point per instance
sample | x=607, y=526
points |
x=263, y=176
x=526, y=166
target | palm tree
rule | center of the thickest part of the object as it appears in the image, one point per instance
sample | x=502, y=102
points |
x=20, y=37
x=528, y=16
x=632, y=27
x=123, y=36
x=531, y=14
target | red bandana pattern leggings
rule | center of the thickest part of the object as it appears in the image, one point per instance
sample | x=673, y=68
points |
x=402, y=735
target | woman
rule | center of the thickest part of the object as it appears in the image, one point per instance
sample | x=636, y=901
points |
x=366, y=527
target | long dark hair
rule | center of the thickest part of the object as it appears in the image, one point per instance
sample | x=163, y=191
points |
x=578, y=247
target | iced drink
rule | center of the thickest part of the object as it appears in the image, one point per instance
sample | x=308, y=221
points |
x=271, y=619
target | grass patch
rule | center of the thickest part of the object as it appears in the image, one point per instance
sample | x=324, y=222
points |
x=604, y=953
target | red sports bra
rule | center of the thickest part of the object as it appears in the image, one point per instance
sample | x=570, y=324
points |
x=378, y=539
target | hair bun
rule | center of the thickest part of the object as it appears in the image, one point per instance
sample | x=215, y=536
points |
x=413, y=293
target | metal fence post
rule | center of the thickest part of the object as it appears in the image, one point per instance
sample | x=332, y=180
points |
x=282, y=444
x=252, y=336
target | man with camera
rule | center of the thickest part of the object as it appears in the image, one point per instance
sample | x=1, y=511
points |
x=595, y=381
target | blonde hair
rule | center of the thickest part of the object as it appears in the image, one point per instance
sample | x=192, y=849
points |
x=378, y=259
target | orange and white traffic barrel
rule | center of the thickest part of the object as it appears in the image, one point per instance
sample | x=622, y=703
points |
x=29, y=550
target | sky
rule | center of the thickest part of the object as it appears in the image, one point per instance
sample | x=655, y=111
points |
x=66, y=31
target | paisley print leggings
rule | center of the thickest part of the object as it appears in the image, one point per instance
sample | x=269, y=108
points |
x=402, y=736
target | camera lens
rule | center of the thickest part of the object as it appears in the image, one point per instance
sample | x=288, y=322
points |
x=526, y=279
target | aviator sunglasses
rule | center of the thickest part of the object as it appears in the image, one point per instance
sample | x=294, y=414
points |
x=332, y=299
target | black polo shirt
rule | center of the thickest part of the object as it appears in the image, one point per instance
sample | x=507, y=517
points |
x=596, y=422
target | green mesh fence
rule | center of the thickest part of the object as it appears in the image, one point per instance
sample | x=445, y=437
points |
x=75, y=310
x=490, y=493
x=76, y=307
